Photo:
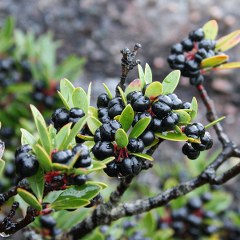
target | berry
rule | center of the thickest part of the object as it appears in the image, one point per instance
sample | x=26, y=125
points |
x=169, y=122
x=194, y=204
x=156, y=125
x=83, y=162
x=23, y=149
x=102, y=150
x=47, y=221
x=103, y=115
x=165, y=99
x=26, y=165
x=76, y=113
x=197, y=35
x=130, y=166
x=192, y=65
x=82, y=150
x=9, y=171
x=177, y=48
x=161, y=109
x=191, y=130
x=206, y=197
x=180, y=59
x=141, y=104
x=102, y=100
x=139, y=116
x=201, y=129
x=79, y=180
x=206, y=44
x=135, y=145
x=62, y=157
x=115, y=107
x=108, y=130
x=97, y=136
x=194, y=220
x=60, y=117
x=190, y=152
x=133, y=96
x=112, y=169
x=196, y=80
x=176, y=102
x=187, y=44
x=147, y=137
x=186, y=105
x=207, y=140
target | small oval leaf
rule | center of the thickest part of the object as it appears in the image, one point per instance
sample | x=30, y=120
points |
x=108, y=91
x=184, y=117
x=214, y=122
x=80, y=99
x=210, y=29
x=135, y=85
x=93, y=124
x=29, y=198
x=36, y=183
x=153, y=90
x=140, y=127
x=148, y=74
x=121, y=138
x=194, y=108
x=68, y=203
x=214, y=61
x=230, y=65
x=126, y=117
x=123, y=96
x=170, y=82
x=43, y=158
x=143, y=155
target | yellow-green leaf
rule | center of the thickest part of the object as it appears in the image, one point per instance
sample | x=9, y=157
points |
x=126, y=117
x=210, y=29
x=153, y=90
x=170, y=82
x=140, y=127
x=214, y=61
x=121, y=138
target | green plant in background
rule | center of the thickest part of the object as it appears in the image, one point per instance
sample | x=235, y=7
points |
x=119, y=136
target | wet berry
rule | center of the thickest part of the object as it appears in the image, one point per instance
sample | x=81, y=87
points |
x=130, y=166
x=112, y=169
x=62, y=157
x=102, y=150
x=47, y=221
x=135, y=145
x=190, y=152
x=102, y=100
x=60, y=117
x=161, y=109
x=108, y=130
x=147, y=137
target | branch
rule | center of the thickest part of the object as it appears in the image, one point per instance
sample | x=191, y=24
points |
x=5, y=196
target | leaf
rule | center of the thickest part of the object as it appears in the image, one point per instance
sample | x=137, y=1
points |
x=148, y=223
x=148, y=74
x=227, y=42
x=28, y=138
x=92, y=111
x=62, y=136
x=108, y=91
x=43, y=158
x=29, y=198
x=143, y=155
x=60, y=167
x=80, y=99
x=230, y=65
x=86, y=191
x=89, y=93
x=140, y=127
x=85, y=137
x=153, y=90
x=65, y=102
x=184, y=117
x=170, y=82
x=36, y=183
x=141, y=76
x=126, y=117
x=135, y=85
x=210, y=30
x=214, y=122
x=2, y=164
x=66, y=88
x=123, y=96
x=93, y=124
x=74, y=131
x=68, y=203
x=97, y=165
x=172, y=136
x=100, y=184
x=214, y=61
x=194, y=108
x=121, y=138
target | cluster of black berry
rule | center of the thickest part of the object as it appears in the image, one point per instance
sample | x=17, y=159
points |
x=44, y=93
x=62, y=116
x=26, y=162
x=187, y=55
x=196, y=131
x=48, y=226
x=191, y=221
x=65, y=156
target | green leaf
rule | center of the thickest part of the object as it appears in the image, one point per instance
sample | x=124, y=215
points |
x=80, y=99
x=42, y=129
x=27, y=138
x=36, y=183
x=60, y=167
x=74, y=131
x=140, y=127
x=123, y=96
x=108, y=91
x=214, y=122
x=89, y=92
x=65, y=102
x=210, y=30
x=85, y=137
x=135, y=85
x=66, y=88
x=2, y=164
x=121, y=138
x=170, y=82
x=164, y=234
x=230, y=65
x=97, y=165
x=93, y=124
x=126, y=117
x=68, y=203
x=100, y=184
x=143, y=155
x=227, y=42
x=148, y=74
x=29, y=198
x=214, y=61
x=172, y=136
x=43, y=158
x=92, y=111
x=184, y=117
x=148, y=223
x=141, y=76
x=86, y=191
x=62, y=136
x=153, y=90
x=194, y=108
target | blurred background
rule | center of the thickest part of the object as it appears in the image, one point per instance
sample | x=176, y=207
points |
x=95, y=31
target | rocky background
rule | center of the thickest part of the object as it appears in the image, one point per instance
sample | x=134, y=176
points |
x=99, y=29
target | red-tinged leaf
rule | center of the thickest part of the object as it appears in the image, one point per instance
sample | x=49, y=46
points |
x=228, y=41
x=210, y=29
x=230, y=65
x=135, y=85
x=214, y=61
